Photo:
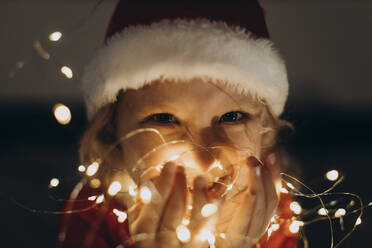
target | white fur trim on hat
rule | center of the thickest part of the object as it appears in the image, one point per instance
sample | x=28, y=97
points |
x=182, y=50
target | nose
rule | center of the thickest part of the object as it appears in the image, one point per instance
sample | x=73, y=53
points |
x=207, y=142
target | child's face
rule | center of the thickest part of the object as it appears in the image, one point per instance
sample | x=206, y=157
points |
x=210, y=124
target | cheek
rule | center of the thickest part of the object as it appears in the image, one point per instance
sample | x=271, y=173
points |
x=245, y=138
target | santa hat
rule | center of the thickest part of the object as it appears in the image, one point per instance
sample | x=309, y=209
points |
x=222, y=40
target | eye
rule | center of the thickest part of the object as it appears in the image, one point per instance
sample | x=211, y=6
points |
x=163, y=118
x=234, y=116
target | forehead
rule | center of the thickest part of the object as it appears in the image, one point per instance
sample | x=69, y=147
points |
x=200, y=93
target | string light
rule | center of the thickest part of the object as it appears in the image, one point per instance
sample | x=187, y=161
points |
x=189, y=207
x=114, y=188
x=332, y=175
x=229, y=187
x=183, y=233
x=62, y=113
x=95, y=183
x=322, y=211
x=295, y=207
x=284, y=190
x=81, y=168
x=67, y=71
x=92, y=198
x=222, y=235
x=174, y=157
x=358, y=221
x=216, y=164
x=340, y=212
x=54, y=182
x=290, y=186
x=55, y=36
x=185, y=221
x=208, y=209
x=207, y=235
x=294, y=227
x=92, y=169
x=122, y=216
x=132, y=189
x=100, y=199
x=145, y=194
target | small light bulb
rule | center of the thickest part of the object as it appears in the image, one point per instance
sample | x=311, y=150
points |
x=174, y=157
x=275, y=227
x=208, y=209
x=92, y=169
x=92, y=198
x=183, y=234
x=290, y=186
x=322, y=211
x=358, y=221
x=122, y=216
x=132, y=189
x=189, y=207
x=62, y=113
x=54, y=182
x=332, y=175
x=216, y=164
x=100, y=199
x=229, y=187
x=114, y=188
x=185, y=221
x=295, y=207
x=145, y=194
x=81, y=168
x=206, y=235
x=284, y=190
x=294, y=227
x=340, y=212
x=67, y=71
x=222, y=235
x=55, y=36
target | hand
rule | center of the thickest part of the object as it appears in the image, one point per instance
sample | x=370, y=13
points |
x=158, y=220
x=245, y=217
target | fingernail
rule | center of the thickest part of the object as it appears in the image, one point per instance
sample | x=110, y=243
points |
x=272, y=159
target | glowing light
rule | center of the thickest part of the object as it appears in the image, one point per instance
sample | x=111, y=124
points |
x=55, y=36
x=185, y=221
x=229, y=187
x=81, y=168
x=322, y=211
x=159, y=167
x=132, y=189
x=145, y=194
x=174, y=157
x=95, y=183
x=275, y=227
x=92, y=169
x=294, y=227
x=114, y=188
x=358, y=221
x=189, y=207
x=62, y=113
x=290, y=186
x=216, y=164
x=295, y=207
x=332, y=175
x=340, y=212
x=92, y=198
x=222, y=235
x=208, y=209
x=183, y=234
x=122, y=216
x=100, y=199
x=206, y=235
x=284, y=190
x=54, y=182
x=67, y=71
x=370, y=204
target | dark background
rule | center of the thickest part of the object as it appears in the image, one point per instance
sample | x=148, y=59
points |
x=327, y=47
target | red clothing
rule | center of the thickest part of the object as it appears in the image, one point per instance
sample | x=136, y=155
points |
x=99, y=226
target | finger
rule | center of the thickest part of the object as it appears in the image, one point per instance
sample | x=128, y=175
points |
x=271, y=163
x=271, y=195
x=257, y=224
x=149, y=215
x=174, y=209
x=200, y=198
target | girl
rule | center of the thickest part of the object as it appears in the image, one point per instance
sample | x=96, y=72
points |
x=182, y=112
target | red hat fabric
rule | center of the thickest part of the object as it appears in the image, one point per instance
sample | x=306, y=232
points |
x=181, y=40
